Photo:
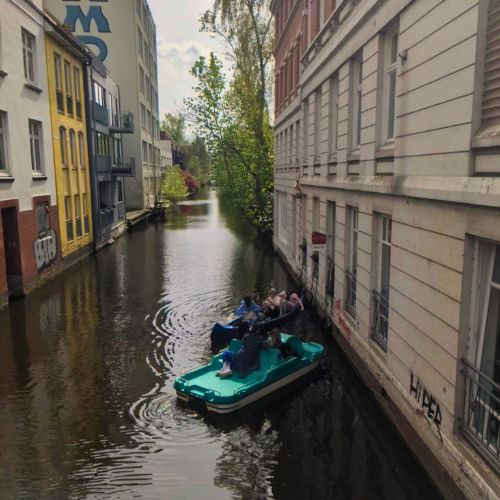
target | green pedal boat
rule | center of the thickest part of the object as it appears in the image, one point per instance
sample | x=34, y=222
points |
x=225, y=395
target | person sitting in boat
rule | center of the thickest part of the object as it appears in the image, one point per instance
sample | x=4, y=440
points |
x=290, y=301
x=244, y=361
x=248, y=309
x=274, y=341
x=272, y=304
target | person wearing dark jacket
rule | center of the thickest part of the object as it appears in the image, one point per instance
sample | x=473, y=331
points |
x=246, y=360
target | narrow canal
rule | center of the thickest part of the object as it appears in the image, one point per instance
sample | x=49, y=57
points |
x=87, y=408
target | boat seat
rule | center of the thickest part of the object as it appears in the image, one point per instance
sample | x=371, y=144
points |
x=295, y=345
x=269, y=357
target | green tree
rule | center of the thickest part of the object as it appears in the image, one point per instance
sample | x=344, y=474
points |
x=175, y=127
x=173, y=188
x=233, y=117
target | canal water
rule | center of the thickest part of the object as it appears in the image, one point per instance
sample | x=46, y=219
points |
x=87, y=409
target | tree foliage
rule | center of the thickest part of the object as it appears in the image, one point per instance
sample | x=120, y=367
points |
x=196, y=158
x=232, y=117
x=173, y=188
x=175, y=127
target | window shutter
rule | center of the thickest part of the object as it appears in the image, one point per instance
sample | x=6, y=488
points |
x=491, y=93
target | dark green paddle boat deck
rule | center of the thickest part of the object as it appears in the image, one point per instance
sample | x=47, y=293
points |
x=225, y=395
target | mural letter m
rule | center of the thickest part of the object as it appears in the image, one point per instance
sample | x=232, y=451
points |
x=74, y=14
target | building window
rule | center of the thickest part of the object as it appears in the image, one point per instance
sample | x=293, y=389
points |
x=139, y=40
x=330, y=248
x=481, y=419
x=149, y=121
x=333, y=114
x=99, y=94
x=144, y=152
x=102, y=141
x=78, y=219
x=42, y=218
x=143, y=116
x=352, y=260
x=282, y=216
x=72, y=147
x=63, y=147
x=68, y=88
x=81, y=149
x=151, y=154
x=305, y=130
x=85, y=214
x=380, y=328
x=69, y=224
x=119, y=188
x=3, y=142
x=355, y=102
x=59, y=89
x=141, y=79
x=315, y=214
x=29, y=55
x=35, y=131
x=78, y=95
x=390, y=56
x=317, y=123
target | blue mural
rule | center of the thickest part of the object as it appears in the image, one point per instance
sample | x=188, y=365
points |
x=75, y=16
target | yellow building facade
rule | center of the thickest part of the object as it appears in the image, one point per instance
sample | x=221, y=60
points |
x=65, y=67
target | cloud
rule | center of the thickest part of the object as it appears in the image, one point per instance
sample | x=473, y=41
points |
x=175, y=61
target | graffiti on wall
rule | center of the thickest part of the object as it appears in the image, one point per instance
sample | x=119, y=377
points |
x=76, y=16
x=45, y=249
x=341, y=322
x=429, y=405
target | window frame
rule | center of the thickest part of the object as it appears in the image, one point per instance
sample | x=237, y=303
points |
x=68, y=88
x=390, y=67
x=29, y=55
x=356, y=100
x=333, y=115
x=4, y=149
x=78, y=93
x=72, y=148
x=63, y=147
x=36, y=139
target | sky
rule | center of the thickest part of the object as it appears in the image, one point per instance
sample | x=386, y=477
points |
x=179, y=45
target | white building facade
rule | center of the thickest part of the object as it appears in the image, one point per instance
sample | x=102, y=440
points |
x=29, y=245
x=122, y=33
x=387, y=207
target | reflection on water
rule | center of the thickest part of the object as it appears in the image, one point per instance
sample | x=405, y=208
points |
x=86, y=371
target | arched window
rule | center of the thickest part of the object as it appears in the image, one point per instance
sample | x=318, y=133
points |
x=63, y=147
x=72, y=147
x=81, y=151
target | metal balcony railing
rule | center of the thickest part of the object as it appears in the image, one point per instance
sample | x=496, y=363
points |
x=380, y=328
x=123, y=125
x=101, y=114
x=481, y=420
x=350, y=292
x=125, y=168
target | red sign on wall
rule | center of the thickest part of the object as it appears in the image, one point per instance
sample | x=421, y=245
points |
x=318, y=239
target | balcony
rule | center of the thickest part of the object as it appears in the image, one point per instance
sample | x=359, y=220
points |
x=100, y=113
x=350, y=292
x=125, y=168
x=380, y=328
x=125, y=125
x=481, y=420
